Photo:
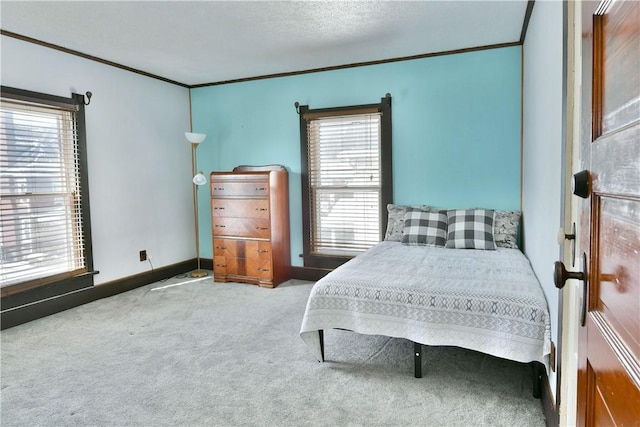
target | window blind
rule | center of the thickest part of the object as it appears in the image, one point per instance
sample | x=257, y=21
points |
x=344, y=183
x=40, y=200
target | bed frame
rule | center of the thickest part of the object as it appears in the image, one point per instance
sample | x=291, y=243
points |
x=537, y=367
x=483, y=300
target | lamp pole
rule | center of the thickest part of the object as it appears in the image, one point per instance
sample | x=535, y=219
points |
x=195, y=139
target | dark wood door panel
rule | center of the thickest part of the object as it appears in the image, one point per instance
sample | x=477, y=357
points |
x=616, y=169
x=614, y=395
x=609, y=343
x=621, y=55
x=616, y=281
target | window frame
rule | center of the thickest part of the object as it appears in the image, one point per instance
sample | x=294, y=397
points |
x=386, y=173
x=30, y=291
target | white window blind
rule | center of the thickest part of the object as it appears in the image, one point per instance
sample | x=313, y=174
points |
x=40, y=215
x=344, y=183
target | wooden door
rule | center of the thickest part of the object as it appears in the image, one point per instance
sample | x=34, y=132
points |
x=609, y=341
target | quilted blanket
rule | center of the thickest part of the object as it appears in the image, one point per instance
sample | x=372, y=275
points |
x=488, y=301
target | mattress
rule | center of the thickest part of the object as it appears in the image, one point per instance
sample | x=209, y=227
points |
x=484, y=300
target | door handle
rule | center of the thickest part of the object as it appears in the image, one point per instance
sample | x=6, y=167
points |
x=561, y=275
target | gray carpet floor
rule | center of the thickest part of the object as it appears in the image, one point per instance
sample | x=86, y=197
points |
x=198, y=353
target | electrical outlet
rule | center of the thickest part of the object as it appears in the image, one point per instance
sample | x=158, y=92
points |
x=143, y=255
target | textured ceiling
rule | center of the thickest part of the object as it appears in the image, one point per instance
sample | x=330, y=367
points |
x=201, y=42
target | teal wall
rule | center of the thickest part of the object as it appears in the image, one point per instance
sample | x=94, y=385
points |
x=456, y=128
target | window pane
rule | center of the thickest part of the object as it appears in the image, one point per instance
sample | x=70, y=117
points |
x=346, y=221
x=344, y=180
x=40, y=221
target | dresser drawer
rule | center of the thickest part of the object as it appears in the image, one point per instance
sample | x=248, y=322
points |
x=241, y=208
x=220, y=265
x=239, y=188
x=241, y=227
x=258, y=250
x=250, y=249
x=259, y=268
x=230, y=266
x=227, y=248
x=242, y=267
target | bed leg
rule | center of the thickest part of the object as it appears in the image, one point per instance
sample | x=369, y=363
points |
x=538, y=371
x=321, y=338
x=417, y=360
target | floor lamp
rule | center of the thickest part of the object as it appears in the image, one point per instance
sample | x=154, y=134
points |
x=198, y=180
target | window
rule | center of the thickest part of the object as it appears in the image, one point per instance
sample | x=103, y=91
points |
x=346, y=180
x=43, y=192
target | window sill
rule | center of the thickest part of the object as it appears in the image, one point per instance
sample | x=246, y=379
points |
x=61, y=286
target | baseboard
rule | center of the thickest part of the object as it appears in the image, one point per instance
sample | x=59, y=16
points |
x=308, y=273
x=45, y=291
x=549, y=408
x=206, y=264
x=25, y=313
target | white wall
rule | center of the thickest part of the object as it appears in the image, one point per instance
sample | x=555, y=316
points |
x=542, y=150
x=138, y=159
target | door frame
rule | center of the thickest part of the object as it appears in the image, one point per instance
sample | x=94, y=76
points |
x=567, y=372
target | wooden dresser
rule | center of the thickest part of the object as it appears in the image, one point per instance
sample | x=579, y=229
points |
x=250, y=225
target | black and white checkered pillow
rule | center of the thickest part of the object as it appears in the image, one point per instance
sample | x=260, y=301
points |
x=425, y=228
x=470, y=229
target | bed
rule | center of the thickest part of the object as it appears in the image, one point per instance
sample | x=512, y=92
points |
x=437, y=295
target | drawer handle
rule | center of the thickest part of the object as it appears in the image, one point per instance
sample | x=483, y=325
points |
x=261, y=209
x=220, y=226
x=221, y=247
x=261, y=188
x=221, y=265
x=219, y=209
x=262, y=228
x=262, y=251
x=263, y=269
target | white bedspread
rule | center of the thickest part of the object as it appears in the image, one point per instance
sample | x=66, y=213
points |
x=488, y=301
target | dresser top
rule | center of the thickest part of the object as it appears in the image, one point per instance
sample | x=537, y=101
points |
x=265, y=168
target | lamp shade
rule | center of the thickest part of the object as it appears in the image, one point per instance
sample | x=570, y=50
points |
x=195, y=138
x=199, y=179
